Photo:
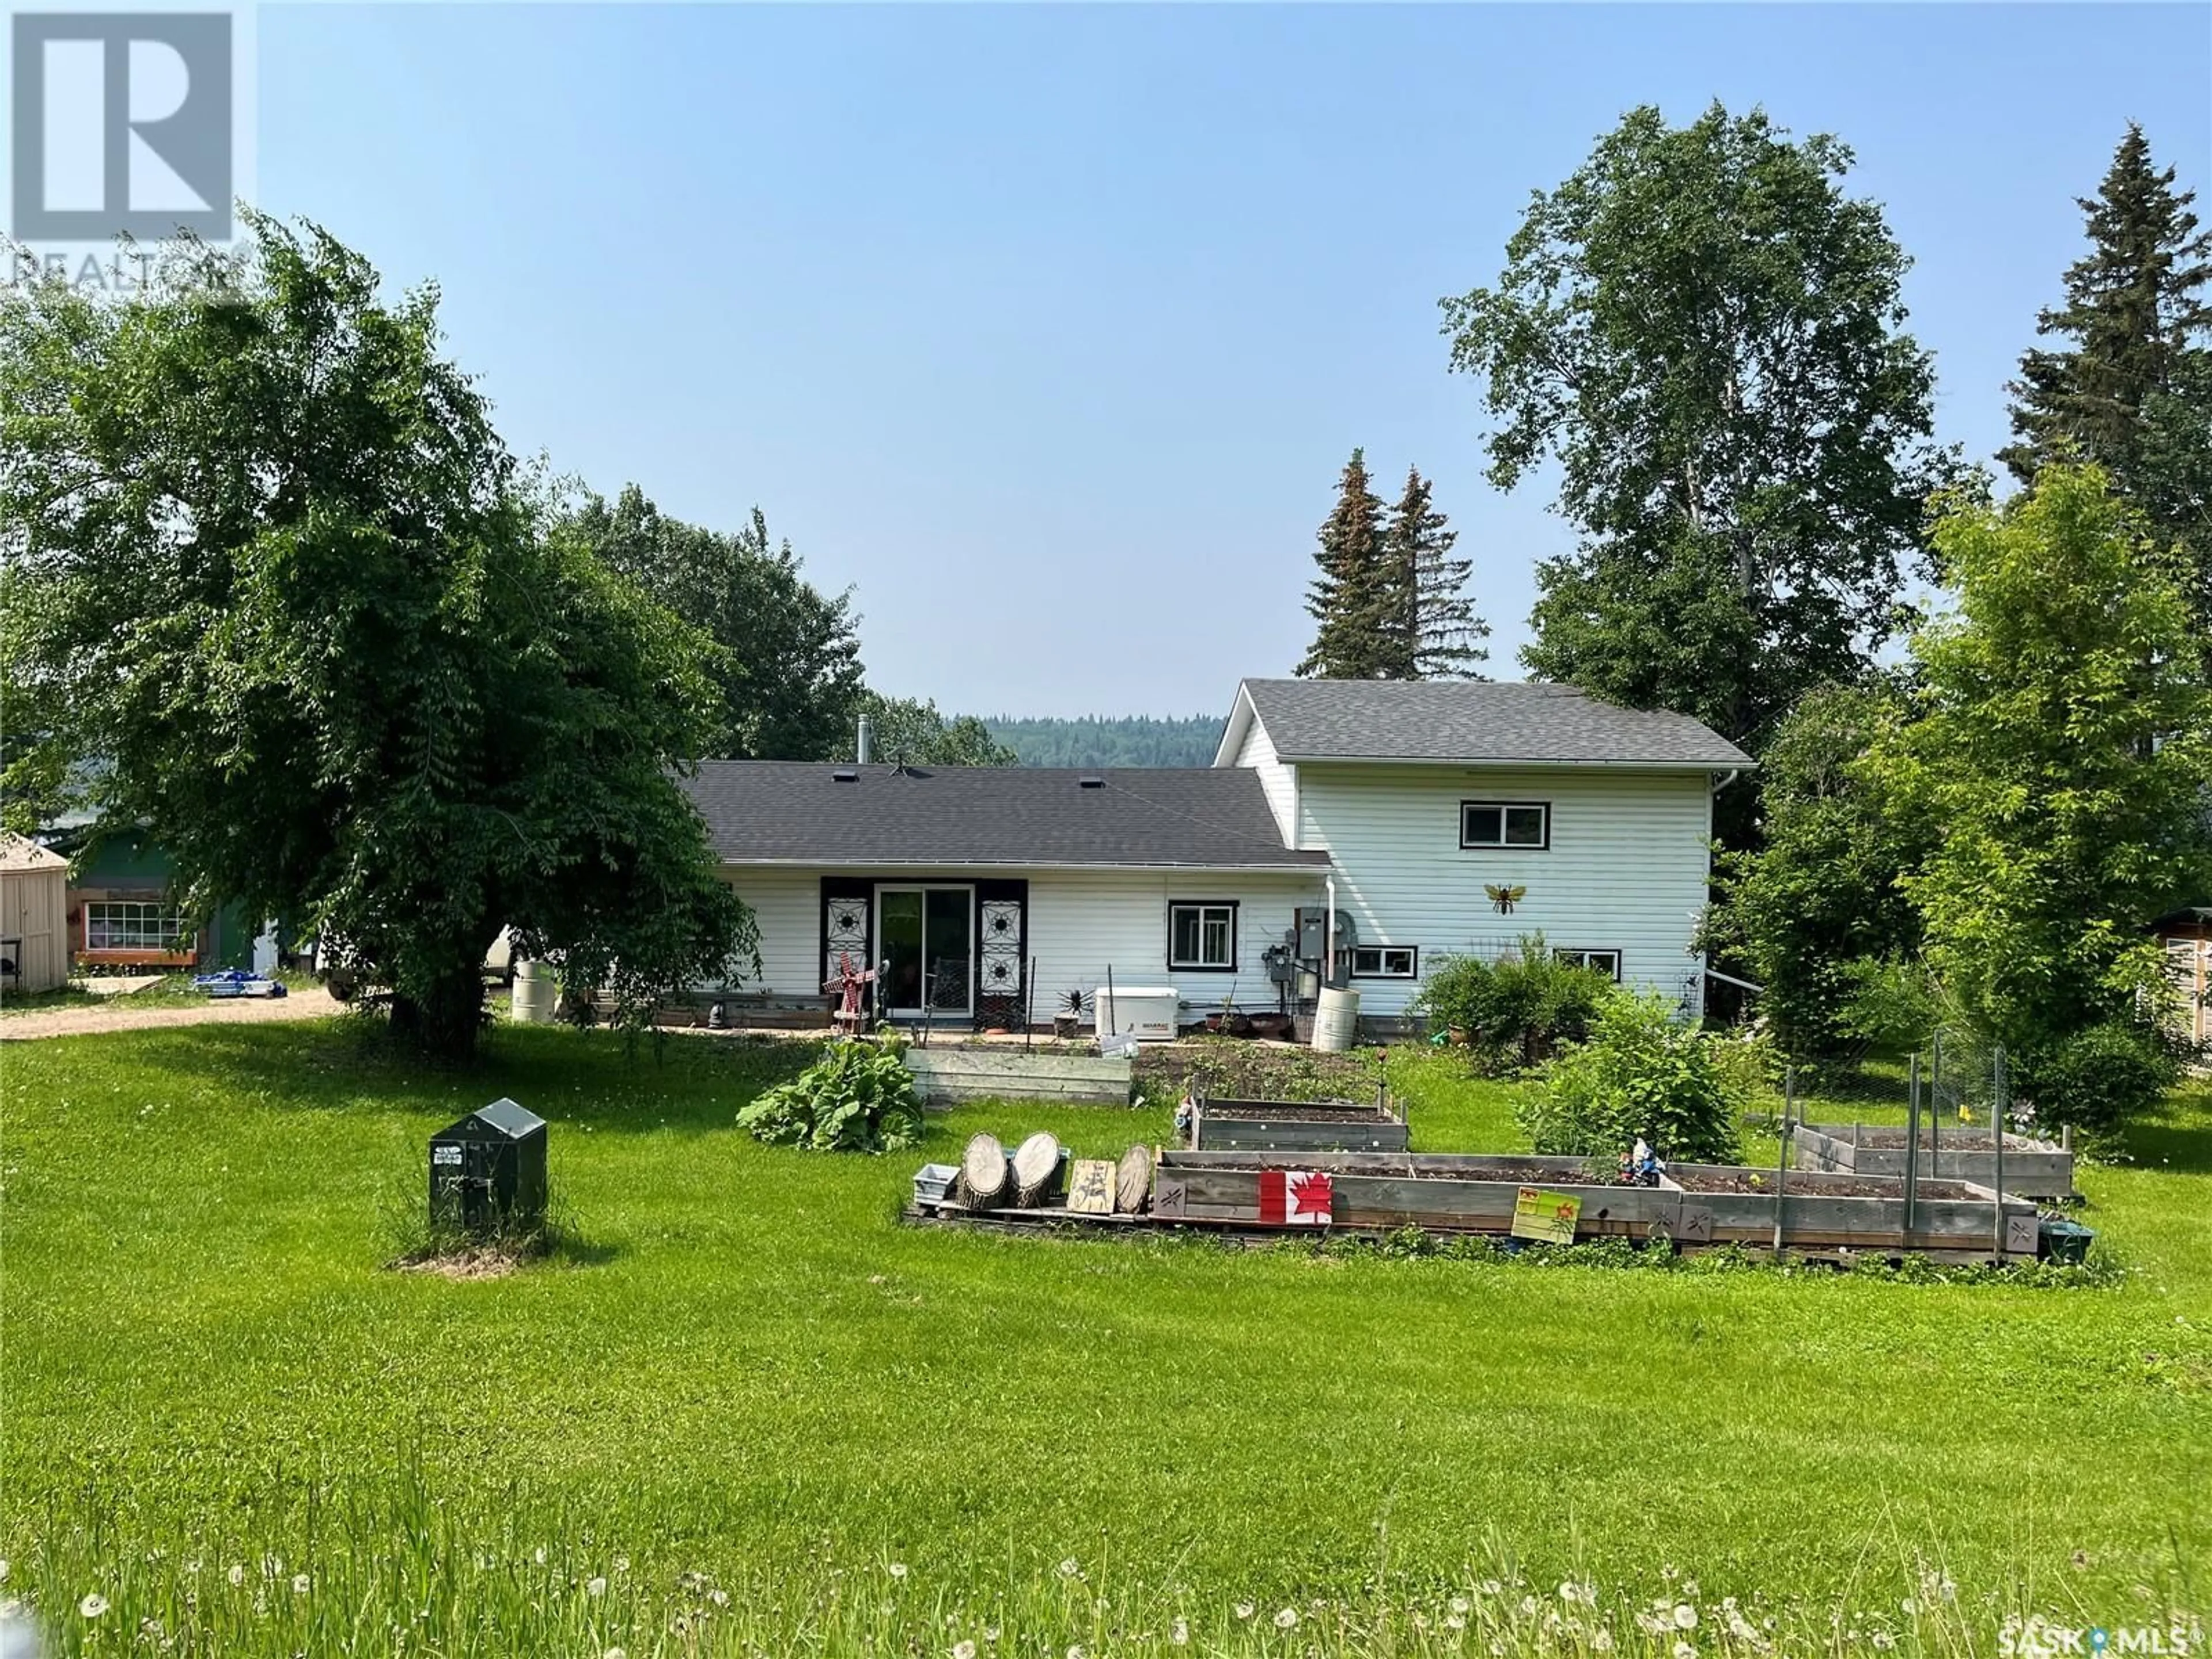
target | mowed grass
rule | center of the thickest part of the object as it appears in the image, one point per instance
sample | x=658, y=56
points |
x=750, y=1367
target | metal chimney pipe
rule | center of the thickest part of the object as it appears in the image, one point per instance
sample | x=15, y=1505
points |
x=865, y=750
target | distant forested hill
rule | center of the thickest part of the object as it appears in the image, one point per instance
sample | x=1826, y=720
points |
x=1132, y=740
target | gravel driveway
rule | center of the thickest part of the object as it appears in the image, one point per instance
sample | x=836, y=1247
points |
x=119, y=1017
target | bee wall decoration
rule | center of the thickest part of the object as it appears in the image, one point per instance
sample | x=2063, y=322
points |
x=1503, y=898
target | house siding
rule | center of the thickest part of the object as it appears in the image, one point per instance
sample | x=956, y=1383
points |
x=1626, y=869
x=1279, y=779
x=1081, y=923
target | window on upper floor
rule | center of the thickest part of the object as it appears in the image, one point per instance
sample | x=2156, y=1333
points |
x=1598, y=961
x=1513, y=825
x=1384, y=961
x=1202, y=936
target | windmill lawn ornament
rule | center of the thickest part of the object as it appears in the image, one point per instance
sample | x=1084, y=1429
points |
x=849, y=987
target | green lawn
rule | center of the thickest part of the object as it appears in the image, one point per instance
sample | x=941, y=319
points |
x=749, y=1371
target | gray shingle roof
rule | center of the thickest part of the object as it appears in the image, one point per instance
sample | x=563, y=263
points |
x=794, y=811
x=1475, y=720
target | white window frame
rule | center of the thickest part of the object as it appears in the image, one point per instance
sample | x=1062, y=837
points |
x=1208, y=919
x=1578, y=956
x=142, y=925
x=1505, y=809
x=1380, y=956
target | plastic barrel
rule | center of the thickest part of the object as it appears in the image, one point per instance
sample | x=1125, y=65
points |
x=533, y=994
x=1336, y=1019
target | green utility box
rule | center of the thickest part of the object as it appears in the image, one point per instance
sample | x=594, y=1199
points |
x=487, y=1171
x=2064, y=1241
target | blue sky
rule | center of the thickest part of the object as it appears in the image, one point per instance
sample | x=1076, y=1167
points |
x=1049, y=328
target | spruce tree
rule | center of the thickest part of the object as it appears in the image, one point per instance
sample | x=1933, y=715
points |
x=2131, y=387
x=1358, y=633
x=1439, y=635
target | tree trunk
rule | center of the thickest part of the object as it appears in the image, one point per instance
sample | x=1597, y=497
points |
x=445, y=1021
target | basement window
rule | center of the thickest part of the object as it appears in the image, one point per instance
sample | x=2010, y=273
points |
x=1516, y=825
x=1598, y=961
x=1384, y=961
x=1202, y=937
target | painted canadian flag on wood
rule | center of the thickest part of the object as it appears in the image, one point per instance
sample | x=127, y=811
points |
x=1296, y=1198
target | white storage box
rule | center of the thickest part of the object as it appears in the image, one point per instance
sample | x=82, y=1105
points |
x=1148, y=1013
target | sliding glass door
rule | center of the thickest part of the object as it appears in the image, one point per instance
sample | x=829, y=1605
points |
x=929, y=944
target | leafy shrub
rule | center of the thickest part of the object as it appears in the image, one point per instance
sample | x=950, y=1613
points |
x=1641, y=1073
x=1527, y=1003
x=858, y=1098
x=2095, y=1079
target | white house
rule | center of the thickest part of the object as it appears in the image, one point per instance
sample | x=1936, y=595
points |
x=1433, y=818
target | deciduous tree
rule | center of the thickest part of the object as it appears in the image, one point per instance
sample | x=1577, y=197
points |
x=1706, y=334
x=2063, y=748
x=1821, y=891
x=271, y=566
x=910, y=731
x=789, y=671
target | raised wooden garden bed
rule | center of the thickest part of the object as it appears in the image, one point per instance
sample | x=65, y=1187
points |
x=1824, y=1212
x=953, y=1070
x=1292, y=1126
x=2033, y=1168
x=1693, y=1206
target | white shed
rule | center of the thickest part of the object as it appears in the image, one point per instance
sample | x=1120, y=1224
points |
x=34, y=916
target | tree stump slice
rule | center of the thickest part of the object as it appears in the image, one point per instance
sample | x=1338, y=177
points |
x=1133, y=1181
x=983, y=1172
x=1036, y=1161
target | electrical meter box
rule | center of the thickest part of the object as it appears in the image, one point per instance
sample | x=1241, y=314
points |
x=488, y=1170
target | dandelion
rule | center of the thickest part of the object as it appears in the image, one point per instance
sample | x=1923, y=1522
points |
x=622, y=1564
x=720, y=1598
x=1244, y=1609
x=1601, y=1640
x=595, y=1588
x=1286, y=1619
x=302, y=1584
x=1569, y=1592
x=537, y=1555
x=93, y=1604
x=1455, y=1621
x=1528, y=1606
x=1684, y=1650
x=897, y=1570
x=237, y=1574
x=4, y=1572
x=1460, y=1604
x=1884, y=1640
x=1180, y=1634
x=1075, y=1650
x=963, y=1650
x=1070, y=1568
x=1686, y=1616
x=1905, y=1606
x=614, y=1653
x=1492, y=1586
x=990, y=1634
